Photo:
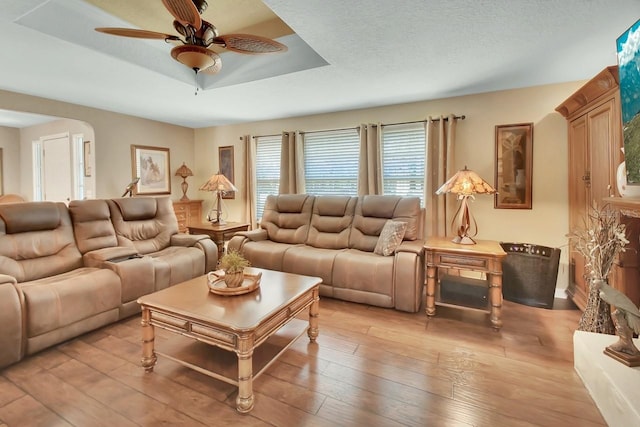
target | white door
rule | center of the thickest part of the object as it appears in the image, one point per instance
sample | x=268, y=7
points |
x=57, y=173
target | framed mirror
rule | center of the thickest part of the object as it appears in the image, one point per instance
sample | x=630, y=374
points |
x=514, y=166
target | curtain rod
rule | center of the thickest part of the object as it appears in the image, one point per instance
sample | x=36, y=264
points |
x=462, y=117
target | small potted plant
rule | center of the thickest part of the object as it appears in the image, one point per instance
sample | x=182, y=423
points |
x=233, y=264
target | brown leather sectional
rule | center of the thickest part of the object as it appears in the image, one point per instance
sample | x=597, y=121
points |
x=68, y=270
x=333, y=237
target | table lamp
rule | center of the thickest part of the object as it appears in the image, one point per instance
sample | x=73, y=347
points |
x=219, y=184
x=183, y=171
x=465, y=184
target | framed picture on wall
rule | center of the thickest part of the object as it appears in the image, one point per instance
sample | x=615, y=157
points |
x=225, y=162
x=514, y=166
x=151, y=165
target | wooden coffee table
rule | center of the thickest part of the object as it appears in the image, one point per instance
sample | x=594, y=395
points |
x=257, y=327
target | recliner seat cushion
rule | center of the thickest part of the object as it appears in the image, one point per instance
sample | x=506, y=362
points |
x=60, y=300
x=266, y=254
x=311, y=261
x=176, y=264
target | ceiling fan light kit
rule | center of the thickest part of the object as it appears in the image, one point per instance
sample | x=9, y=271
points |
x=197, y=35
x=196, y=57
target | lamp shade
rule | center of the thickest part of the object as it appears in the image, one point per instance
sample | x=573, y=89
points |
x=466, y=183
x=183, y=171
x=218, y=182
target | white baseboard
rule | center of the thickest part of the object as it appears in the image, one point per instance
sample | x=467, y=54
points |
x=561, y=293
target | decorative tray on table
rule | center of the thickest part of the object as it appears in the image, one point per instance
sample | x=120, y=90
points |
x=217, y=285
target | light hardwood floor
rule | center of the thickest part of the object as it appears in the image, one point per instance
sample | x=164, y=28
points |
x=370, y=367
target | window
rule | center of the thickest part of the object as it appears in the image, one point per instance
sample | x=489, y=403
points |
x=331, y=162
x=403, y=151
x=267, y=169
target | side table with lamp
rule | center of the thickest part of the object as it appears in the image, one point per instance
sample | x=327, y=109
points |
x=218, y=228
x=464, y=253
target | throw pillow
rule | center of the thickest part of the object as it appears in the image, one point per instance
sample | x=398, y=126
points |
x=390, y=237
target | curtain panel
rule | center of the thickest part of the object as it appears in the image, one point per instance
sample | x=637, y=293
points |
x=250, y=146
x=370, y=165
x=440, y=137
x=292, y=164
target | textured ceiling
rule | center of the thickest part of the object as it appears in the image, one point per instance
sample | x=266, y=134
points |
x=342, y=55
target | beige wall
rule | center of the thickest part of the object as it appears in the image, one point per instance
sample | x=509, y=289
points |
x=545, y=224
x=114, y=135
x=10, y=144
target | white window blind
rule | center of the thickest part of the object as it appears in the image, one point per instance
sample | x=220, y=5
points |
x=403, y=151
x=331, y=162
x=267, y=169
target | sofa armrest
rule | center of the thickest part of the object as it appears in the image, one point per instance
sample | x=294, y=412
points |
x=202, y=242
x=210, y=250
x=12, y=321
x=98, y=257
x=254, y=235
x=187, y=240
x=408, y=276
x=4, y=278
x=240, y=238
x=412, y=246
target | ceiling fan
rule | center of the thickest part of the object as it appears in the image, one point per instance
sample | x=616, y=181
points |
x=197, y=36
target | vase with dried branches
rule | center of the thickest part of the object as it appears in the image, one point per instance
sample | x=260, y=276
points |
x=599, y=242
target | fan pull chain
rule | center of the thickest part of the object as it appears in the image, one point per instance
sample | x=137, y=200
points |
x=196, y=80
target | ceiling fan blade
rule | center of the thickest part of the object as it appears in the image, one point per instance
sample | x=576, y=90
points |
x=250, y=44
x=184, y=11
x=139, y=34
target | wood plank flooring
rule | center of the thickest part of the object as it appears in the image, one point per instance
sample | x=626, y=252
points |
x=370, y=367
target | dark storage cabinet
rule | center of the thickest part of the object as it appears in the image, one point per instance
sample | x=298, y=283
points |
x=529, y=274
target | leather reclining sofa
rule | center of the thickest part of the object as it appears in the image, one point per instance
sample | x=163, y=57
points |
x=65, y=270
x=334, y=237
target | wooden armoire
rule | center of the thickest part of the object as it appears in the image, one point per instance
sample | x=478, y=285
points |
x=595, y=139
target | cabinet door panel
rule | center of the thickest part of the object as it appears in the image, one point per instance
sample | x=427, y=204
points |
x=579, y=185
x=600, y=122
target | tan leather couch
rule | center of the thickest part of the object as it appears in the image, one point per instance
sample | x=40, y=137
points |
x=333, y=237
x=65, y=271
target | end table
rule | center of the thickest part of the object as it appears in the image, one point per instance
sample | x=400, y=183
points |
x=218, y=233
x=485, y=256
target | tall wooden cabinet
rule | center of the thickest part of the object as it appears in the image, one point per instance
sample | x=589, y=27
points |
x=188, y=212
x=595, y=138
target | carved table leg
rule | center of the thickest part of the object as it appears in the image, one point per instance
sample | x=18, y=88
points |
x=244, y=401
x=495, y=299
x=314, y=311
x=219, y=241
x=149, y=357
x=431, y=291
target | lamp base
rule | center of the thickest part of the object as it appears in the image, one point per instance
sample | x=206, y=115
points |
x=463, y=240
x=214, y=218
